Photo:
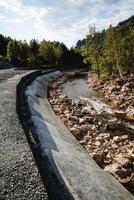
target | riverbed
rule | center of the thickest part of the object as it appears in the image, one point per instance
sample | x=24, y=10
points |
x=75, y=88
x=100, y=129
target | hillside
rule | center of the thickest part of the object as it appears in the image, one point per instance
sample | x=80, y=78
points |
x=124, y=26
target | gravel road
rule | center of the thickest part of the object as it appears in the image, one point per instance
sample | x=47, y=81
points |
x=19, y=176
x=8, y=73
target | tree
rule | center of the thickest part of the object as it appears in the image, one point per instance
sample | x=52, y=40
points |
x=108, y=51
x=93, y=49
x=58, y=54
x=114, y=50
x=24, y=51
x=34, y=47
x=3, y=44
x=47, y=52
x=13, y=51
x=128, y=58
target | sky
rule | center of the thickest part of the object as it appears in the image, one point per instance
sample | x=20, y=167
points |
x=60, y=20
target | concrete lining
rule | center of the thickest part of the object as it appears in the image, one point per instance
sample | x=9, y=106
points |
x=67, y=170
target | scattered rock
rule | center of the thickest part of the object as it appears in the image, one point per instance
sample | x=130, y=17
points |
x=130, y=112
x=116, y=138
x=81, y=120
x=97, y=143
x=102, y=134
x=89, y=119
x=75, y=131
x=123, y=161
x=97, y=157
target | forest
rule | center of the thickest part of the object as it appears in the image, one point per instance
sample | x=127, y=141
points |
x=110, y=51
x=39, y=54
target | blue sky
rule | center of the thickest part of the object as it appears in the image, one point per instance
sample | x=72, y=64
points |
x=63, y=20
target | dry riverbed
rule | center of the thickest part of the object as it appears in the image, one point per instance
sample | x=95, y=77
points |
x=104, y=133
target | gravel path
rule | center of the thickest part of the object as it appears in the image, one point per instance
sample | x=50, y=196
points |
x=8, y=73
x=19, y=176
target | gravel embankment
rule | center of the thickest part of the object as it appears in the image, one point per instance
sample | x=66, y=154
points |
x=19, y=176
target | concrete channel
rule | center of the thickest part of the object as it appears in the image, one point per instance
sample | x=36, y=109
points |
x=67, y=171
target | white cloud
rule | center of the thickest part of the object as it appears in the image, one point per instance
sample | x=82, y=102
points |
x=13, y=20
x=65, y=21
x=28, y=12
x=2, y=17
x=78, y=2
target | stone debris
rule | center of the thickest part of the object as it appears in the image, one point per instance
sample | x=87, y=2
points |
x=119, y=92
x=102, y=135
x=130, y=112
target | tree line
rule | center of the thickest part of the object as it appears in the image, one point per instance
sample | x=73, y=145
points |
x=39, y=54
x=110, y=51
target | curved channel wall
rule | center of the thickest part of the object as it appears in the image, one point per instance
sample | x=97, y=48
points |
x=68, y=172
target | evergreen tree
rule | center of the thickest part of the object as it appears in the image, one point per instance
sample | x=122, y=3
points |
x=34, y=47
x=93, y=50
x=13, y=51
x=24, y=51
x=47, y=52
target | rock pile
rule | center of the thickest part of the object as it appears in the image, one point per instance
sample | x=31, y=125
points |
x=119, y=93
x=108, y=144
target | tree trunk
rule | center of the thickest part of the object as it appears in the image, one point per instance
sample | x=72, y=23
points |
x=98, y=70
x=118, y=66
